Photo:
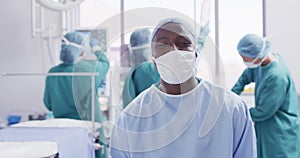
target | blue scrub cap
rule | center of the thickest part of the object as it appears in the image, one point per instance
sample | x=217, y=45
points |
x=253, y=46
x=182, y=22
x=140, y=37
x=71, y=47
x=174, y=20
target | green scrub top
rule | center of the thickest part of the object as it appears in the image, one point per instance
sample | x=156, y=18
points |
x=139, y=79
x=70, y=96
x=276, y=111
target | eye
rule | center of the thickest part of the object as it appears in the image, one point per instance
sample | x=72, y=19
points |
x=184, y=45
x=161, y=45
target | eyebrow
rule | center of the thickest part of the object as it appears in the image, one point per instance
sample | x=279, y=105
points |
x=179, y=37
x=162, y=38
x=184, y=37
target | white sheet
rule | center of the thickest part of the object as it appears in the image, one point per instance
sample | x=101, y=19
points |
x=32, y=149
x=59, y=123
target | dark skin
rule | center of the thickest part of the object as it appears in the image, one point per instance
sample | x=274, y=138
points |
x=169, y=37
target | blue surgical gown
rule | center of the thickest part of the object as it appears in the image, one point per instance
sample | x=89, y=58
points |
x=70, y=96
x=275, y=113
x=139, y=78
x=206, y=122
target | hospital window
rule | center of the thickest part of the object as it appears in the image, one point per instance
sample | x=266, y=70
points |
x=236, y=19
x=189, y=8
x=94, y=12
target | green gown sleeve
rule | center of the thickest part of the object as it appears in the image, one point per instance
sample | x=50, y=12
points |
x=139, y=79
x=47, y=99
x=102, y=65
x=246, y=78
x=102, y=68
x=271, y=96
x=128, y=93
x=82, y=86
x=144, y=76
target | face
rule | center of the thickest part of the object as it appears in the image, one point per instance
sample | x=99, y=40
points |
x=247, y=59
x=170, y=37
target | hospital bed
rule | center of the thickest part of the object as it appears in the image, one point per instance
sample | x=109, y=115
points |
x=45, y=149
x=66, y=137
x=65, y=132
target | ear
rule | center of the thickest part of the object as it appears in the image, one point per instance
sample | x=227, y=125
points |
x=197, y=52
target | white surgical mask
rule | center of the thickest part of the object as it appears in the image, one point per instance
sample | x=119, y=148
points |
x=176, y=67
x=251, y=64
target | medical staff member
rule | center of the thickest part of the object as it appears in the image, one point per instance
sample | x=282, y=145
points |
x=182, y=116
x=143, y=72
x=70, y=96
x=275, y=113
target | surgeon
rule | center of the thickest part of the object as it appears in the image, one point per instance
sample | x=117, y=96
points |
x=275, y=113
x=143, y=72
x=71, y=96
x=182, y=116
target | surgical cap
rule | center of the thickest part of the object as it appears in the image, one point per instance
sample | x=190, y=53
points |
x=182, y=22
x=139, y=47
x=140, y=37
x=253, y=46
x=71, y=47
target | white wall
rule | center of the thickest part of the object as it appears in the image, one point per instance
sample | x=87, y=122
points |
x=20, y=52
x=283, y=27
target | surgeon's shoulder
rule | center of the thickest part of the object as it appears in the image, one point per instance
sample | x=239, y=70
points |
x=56, y=68
x=135, y=105
x=146, y=68
x=231, y=101
x=235, y=106
x=139, y=101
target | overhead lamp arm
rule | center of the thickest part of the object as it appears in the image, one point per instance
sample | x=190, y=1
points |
x=59, y=5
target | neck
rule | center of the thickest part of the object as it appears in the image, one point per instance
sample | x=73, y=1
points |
x=177, y=89
x=269, y=59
